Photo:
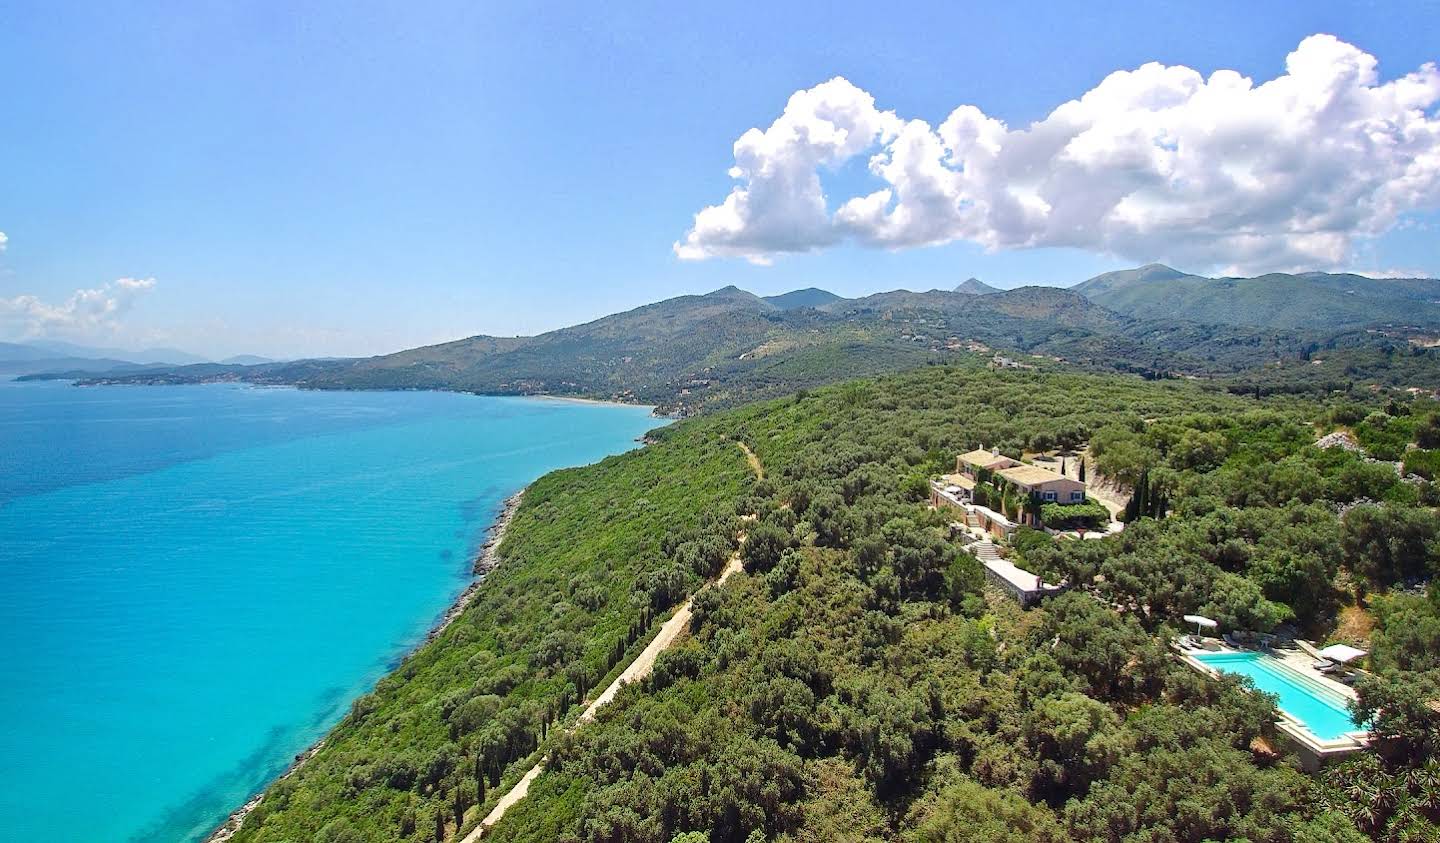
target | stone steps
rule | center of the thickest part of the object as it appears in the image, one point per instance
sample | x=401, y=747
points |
x=985, y=551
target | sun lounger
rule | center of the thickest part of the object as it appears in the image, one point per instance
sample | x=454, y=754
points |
x=1325, y=666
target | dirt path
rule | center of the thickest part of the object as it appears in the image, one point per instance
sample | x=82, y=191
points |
x=754, y=461
x=671, y=631
x=668, y=634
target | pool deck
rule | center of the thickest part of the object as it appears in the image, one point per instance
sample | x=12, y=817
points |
x=1314, y=751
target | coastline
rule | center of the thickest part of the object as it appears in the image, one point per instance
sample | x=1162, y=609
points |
x=83, y=379
x=572, y=399
x=486, y=560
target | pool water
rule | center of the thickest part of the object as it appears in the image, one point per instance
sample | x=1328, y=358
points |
x=1322, y=713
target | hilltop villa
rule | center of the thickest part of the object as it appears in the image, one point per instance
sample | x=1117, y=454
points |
x=1025, y=482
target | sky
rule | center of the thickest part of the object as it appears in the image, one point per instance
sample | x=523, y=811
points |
x=303, y=179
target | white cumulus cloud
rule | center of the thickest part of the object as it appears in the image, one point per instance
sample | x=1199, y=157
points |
x=84, y=313
x=3, y=241
x=1156, y=163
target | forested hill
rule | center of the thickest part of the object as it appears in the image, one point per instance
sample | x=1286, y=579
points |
x=809, y=297
x=857, y=681
x=709, y=351
x=1312, y=300
x=722, y=348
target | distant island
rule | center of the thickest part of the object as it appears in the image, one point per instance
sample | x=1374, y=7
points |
x=70, y=360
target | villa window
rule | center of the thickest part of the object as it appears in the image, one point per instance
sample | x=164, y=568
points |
x=1049, y=496
x=1077, y=496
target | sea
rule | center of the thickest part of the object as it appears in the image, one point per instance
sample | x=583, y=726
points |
x=196, y=581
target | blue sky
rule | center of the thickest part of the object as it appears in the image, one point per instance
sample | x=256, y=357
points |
x=313, y=178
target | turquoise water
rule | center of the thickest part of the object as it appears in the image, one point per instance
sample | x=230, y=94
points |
x=198, y=579
x=1328, y=719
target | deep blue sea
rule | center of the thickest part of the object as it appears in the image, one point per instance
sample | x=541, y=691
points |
x=195, y=581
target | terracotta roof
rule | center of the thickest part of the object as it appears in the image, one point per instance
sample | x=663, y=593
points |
x=1030, y=475
x=985, y=459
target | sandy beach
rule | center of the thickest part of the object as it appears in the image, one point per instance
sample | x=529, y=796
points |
x=486, y=560
x=571, y=399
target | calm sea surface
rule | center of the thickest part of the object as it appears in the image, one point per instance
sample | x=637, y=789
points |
x=195, y=581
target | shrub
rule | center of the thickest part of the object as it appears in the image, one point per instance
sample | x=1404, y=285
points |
x=1424, y=463
x=1059, y=516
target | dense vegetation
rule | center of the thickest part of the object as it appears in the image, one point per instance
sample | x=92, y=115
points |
x=858, y=682
x=585, y=573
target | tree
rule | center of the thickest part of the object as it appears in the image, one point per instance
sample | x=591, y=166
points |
x=968, y=812
x=1238, y=603
x=1427, y=432
x=1108, y=651
x=1121, y=454
x=1384, y=802
x=919, y=557
x=1407, y=634
x=339, y=831
x=764, y=545
x=1389, y=544
x=1076, y=739
x=461, y=798
x=826, y=514
x=1204, y=791
x=1397, y=705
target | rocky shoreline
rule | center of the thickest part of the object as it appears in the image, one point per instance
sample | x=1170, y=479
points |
x=487, y=560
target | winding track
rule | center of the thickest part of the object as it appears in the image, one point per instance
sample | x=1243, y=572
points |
x=636, y=671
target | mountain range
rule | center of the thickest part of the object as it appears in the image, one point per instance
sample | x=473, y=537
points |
x=701, y=351
x=52, y=356
x=1311, y=300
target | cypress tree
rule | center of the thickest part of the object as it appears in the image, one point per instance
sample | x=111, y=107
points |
x=1132, y=506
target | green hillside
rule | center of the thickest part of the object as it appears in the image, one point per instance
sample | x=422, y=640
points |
x=1310, y=301
x=696, y=353
x=857, y=682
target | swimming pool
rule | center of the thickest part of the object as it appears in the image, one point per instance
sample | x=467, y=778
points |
x=1322, y=711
